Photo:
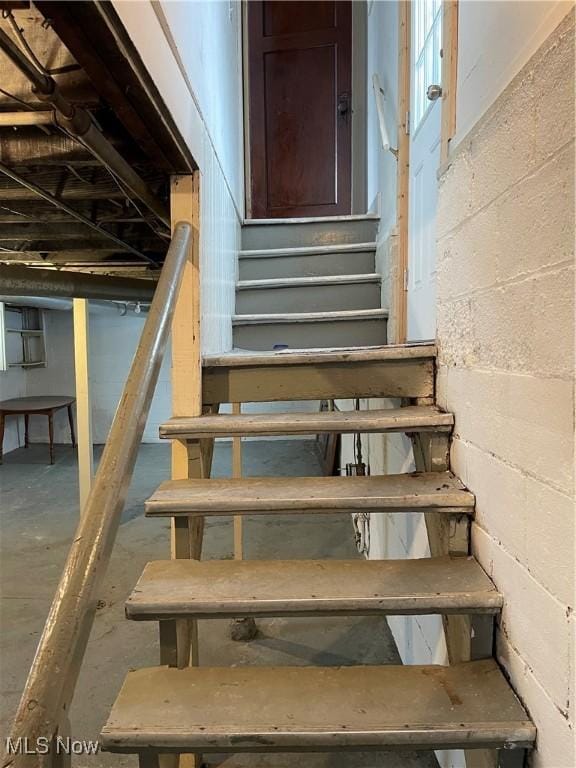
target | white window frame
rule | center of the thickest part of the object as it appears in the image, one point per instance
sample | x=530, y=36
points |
x=425, y=53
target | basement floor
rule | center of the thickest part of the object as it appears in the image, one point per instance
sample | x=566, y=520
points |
x=37, y=519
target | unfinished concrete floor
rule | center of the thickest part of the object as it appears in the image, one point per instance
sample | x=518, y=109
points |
x=39, y=511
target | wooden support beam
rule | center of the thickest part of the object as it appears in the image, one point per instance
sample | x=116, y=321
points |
x=449, y=76
x=237, y=473
x=83, y=403
x=189, y=458
x=403, y=176
x=467, y=638
x=186, y=359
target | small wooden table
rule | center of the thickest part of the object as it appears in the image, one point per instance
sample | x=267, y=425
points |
x=44, y=406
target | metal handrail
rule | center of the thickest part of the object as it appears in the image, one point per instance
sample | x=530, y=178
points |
x=50, y=685
x=379, y=97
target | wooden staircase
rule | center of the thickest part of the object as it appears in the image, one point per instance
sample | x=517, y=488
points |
x=178, y=708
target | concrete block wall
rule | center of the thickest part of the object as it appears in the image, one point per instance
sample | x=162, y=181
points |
x=506, y=367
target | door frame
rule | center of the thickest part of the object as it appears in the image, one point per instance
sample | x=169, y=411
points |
x=358, y=173
x=448, y=130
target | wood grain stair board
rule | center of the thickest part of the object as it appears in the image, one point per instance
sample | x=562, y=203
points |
x=266, y=709
x=316, y=374
x=432, y=491
x=382, y=354
x=234, y=588
x=409, y=419
x=356, y=315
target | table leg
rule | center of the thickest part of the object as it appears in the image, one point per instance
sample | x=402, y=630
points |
x=26, y=425
x=51, y=435
x=1, y=435
x=71, y=421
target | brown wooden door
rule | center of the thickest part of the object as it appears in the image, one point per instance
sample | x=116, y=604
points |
x=300, y=81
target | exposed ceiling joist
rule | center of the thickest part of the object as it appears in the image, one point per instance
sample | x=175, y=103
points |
x=29, y=186
x=59, y=202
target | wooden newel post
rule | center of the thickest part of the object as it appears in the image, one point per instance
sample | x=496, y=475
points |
x=179, y=640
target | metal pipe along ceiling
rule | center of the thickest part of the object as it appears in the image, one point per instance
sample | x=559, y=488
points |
x=29, y=281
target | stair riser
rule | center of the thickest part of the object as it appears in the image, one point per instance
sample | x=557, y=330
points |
x=344, y=333
x=317, y=382
x=260, y=236
x=324, y=298
x=306, y=265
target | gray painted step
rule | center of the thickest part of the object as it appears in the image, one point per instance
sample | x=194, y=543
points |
x=286, y=233
x=422, y=491
x=365, y=327
x=171, y=589
x=267, y=709
x=308, y=294
x=307, y=261
x=414, y=418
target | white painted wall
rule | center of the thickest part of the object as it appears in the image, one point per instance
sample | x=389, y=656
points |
x=208, y=42
x=193, y=52
x=13, y=384
x=382, y=58
x=57, y=378
x=109, y=366
x=495, y=40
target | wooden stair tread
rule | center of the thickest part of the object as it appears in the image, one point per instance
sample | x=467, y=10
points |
x=439, y=491
x=234, y=588
x=311, y=317
x=389, y=353
x=243, y=709
x=409, y=419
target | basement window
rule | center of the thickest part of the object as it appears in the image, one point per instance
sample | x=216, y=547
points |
x=22, y=337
